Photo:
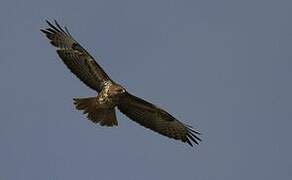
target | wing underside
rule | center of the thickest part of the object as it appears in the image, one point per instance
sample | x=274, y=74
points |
x=75, y=57
x=156, y=119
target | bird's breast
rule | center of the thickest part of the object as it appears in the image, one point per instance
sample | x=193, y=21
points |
x=106, y=98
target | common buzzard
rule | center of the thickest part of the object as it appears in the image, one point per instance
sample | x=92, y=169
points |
x=101, y=109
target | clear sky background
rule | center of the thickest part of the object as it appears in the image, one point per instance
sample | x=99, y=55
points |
x=222, y=66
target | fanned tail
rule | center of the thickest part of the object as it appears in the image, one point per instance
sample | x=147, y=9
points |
x=96, y=113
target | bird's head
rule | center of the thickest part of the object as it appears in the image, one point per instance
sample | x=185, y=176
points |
x=116, y=90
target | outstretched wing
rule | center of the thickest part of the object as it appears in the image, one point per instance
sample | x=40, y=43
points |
x=156, y=119
x=75, y=57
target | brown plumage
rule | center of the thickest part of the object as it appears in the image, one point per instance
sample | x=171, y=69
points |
x=101, y=109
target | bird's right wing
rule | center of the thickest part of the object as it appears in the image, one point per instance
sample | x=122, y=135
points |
x=156, y=119
x=75, y=57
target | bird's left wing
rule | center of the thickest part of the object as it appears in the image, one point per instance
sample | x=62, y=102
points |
x=75, y=57
x=156, y=119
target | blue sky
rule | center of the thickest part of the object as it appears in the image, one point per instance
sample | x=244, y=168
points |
x=222, y=66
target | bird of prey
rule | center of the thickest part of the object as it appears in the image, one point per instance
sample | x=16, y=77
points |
x=101, y=109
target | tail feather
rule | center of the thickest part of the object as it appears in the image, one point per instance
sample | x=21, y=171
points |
x=96, y=113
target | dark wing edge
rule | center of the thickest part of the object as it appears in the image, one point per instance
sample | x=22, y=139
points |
x=75, y=57
x=156, y=119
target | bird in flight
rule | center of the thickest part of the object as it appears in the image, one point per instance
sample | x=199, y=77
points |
x=101, y=109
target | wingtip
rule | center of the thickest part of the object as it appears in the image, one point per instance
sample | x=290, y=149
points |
x=42, y=30
x=193, y=135
x=192, y=138
x=56, y=23
x=196, y=132
x=66, y=29
x=189, y=142
x=48, y=22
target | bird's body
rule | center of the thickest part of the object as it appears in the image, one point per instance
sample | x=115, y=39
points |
x=101, y=109
x=110, y=94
